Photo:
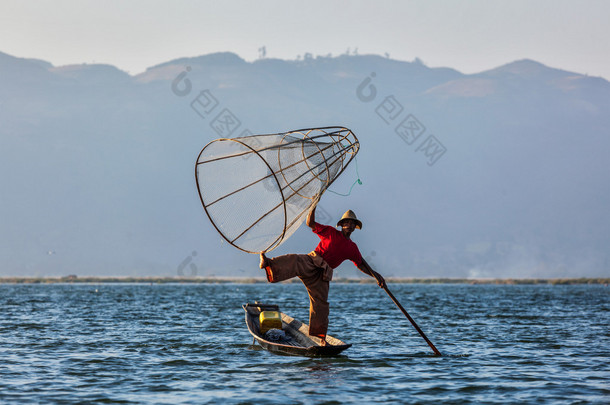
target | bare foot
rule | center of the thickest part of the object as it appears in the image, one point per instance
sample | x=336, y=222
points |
x=264, y=261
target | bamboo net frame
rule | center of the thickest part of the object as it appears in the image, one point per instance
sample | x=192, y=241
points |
x=257, y=190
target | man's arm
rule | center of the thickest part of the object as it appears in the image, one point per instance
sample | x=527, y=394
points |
x=366, y=269
x=311, y=217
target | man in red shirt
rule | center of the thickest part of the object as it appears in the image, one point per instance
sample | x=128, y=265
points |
x=316, y=268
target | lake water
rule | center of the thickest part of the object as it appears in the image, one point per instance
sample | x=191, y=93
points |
x=174, y=344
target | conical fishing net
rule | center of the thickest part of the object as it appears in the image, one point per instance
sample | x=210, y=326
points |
x=257, y=190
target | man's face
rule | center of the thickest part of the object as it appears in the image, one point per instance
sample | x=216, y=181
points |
x=348, y=226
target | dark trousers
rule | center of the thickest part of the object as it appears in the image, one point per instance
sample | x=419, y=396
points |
x=315, y=274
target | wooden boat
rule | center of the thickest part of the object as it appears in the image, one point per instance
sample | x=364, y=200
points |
x=297, y=341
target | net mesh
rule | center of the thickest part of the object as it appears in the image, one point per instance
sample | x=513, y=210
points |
x=257, y=190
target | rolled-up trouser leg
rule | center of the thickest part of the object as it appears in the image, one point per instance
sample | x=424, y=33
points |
x=287, y=266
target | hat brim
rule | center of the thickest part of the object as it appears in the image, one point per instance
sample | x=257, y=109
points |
x=357, y=221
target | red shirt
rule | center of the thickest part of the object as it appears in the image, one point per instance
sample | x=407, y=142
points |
x=334, y=247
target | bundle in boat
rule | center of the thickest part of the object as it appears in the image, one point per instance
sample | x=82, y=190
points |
x=257, y=190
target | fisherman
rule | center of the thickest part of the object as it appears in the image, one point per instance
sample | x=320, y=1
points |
x=316, y=268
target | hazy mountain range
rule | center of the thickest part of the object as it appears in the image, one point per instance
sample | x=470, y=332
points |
x=503, y=173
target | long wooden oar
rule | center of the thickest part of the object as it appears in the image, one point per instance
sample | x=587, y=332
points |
x=385, y=287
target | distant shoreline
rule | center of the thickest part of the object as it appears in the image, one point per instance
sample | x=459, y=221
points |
x=260, y=280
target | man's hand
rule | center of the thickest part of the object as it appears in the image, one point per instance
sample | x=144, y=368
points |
x=311, y=217
x=379, y=278
x=366, y=269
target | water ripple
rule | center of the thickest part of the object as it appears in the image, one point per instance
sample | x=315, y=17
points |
x=188, y=344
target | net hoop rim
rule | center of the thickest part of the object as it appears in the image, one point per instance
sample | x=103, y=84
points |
x=197, y=163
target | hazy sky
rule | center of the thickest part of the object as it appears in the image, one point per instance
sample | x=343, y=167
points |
x=470, y=36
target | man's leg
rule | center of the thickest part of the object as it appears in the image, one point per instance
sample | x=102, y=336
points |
x=287, y=266
x=319, y=308
x=284, y=267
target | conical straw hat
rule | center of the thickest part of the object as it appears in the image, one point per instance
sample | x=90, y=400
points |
x=349, y=214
